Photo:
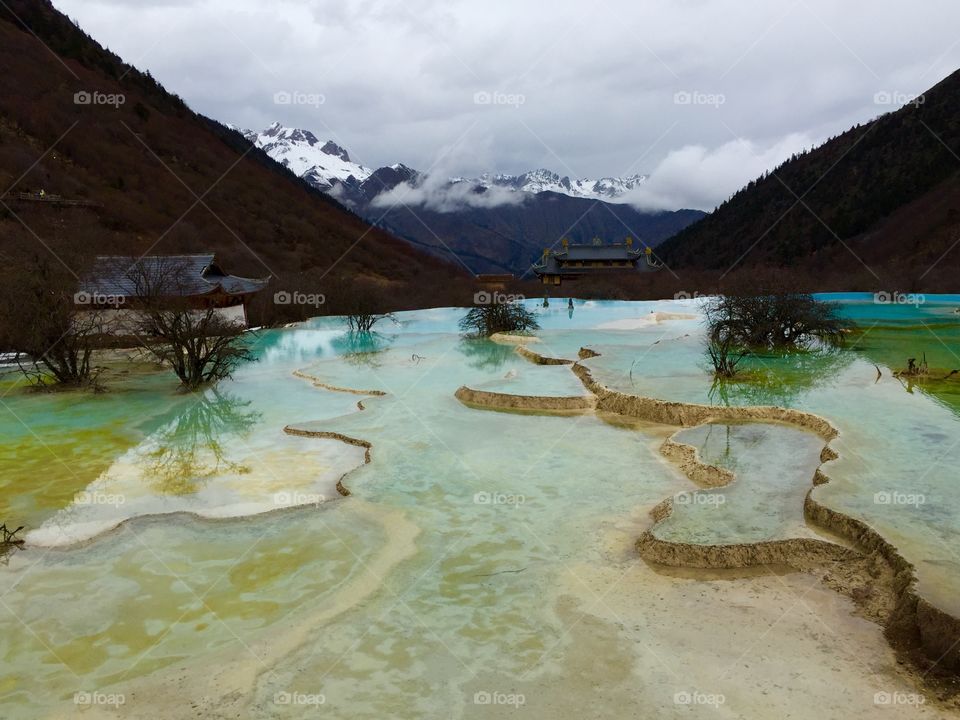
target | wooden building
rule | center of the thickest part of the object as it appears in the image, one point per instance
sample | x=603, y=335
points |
x=124, y=283
x=596, y=258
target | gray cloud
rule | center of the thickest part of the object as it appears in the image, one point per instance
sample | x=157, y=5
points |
x=693, y=176
x=437, y=193
x=585, y=89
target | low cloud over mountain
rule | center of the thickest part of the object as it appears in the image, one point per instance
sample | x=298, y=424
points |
x=698, y=177
x=490, y=223
x=440, y=194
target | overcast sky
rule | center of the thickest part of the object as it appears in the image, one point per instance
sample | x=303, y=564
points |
x=702, y=94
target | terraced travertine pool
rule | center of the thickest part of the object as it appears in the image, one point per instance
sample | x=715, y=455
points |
x=192, y=556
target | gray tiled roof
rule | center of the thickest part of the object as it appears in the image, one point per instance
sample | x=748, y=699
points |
x=599, y=252
x=183, y=275
x=555, y=263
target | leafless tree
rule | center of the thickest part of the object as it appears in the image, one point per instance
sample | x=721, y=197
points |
x=740, y=323
x=725, y=355
x=775, y=320
x=364, y=322
x=199, y=343
x=361, y=301
x=507, y=317
x=9, y=542
x=49, y=324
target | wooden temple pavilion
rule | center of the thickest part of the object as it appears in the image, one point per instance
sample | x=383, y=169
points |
x=596, y=258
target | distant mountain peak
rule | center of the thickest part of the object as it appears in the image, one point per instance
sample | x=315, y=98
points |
x=293, y=135
x=324, y=164
x=331, y=148
x=494, y=222
x=320, y=164
x=544, y=180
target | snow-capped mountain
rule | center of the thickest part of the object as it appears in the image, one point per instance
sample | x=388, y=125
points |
x=325, y=165
x=491, y=224
x=607, y=188
x=320, y=164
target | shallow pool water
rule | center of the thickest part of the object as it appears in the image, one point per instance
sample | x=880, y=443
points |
x=899, y=456
x=773, y=467
x=484, y=562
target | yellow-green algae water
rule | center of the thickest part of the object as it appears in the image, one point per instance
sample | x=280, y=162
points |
x=189, y=558
x=53, y=444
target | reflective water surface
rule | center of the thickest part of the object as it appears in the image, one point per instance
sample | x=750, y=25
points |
x=188, y=556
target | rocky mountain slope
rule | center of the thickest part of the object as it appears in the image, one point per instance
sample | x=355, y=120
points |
x=877, y=207
x=138, y=171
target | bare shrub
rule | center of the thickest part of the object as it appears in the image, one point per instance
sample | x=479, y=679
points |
x=199, y=343
x=51, y=333
x=738, y=324
x=487, y=320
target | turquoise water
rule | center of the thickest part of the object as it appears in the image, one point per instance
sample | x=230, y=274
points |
x=217, y=559
x=898, y=454
x=773, y=467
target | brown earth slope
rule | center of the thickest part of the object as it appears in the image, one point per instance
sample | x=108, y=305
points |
x=877, y=207
x=150, y=175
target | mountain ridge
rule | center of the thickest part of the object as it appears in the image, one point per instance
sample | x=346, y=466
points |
x=492, y=224
x=298, y=149
x=876, y=207
x=147, y=174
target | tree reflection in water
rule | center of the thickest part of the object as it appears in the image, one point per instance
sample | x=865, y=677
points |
x=779, y=379
x=186, y=452
x=484, y=354
x=362, y=348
